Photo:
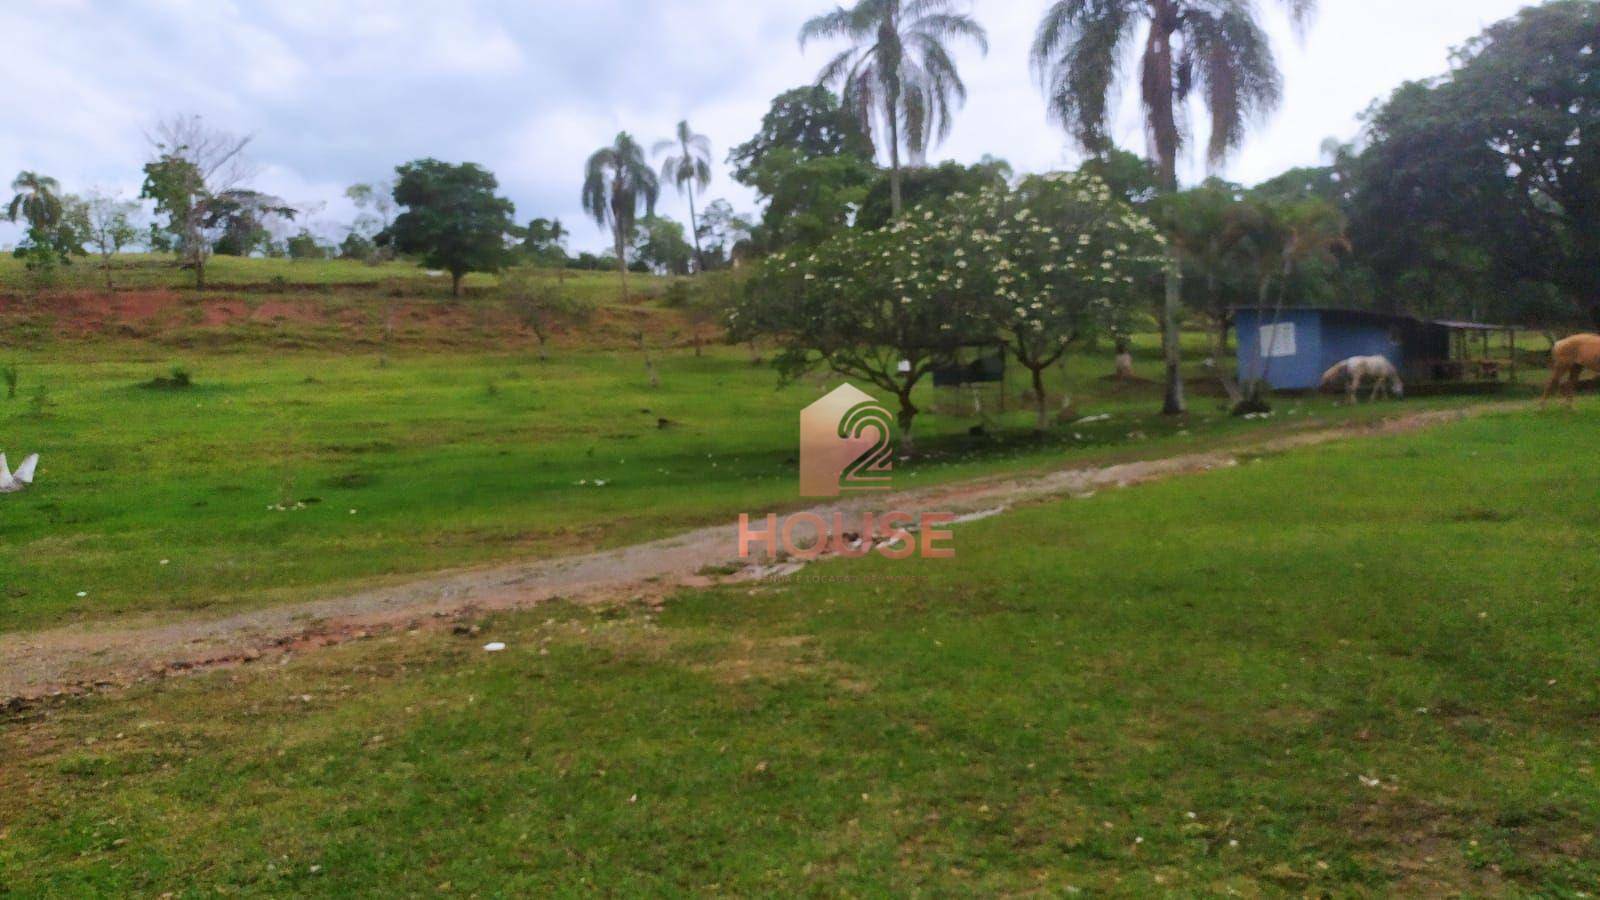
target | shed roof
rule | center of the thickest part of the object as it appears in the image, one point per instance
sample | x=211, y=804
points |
x=1330, y=310
x=1470, y=326
x=1382, y=316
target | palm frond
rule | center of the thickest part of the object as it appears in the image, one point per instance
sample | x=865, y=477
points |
x=838, y=23
x=1301, y=12
x=1232, y=60
x=944, y=26
x=898, y=69
x=1077, y=54
x=595, y=201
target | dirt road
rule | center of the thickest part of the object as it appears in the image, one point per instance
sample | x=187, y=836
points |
x=84, y=657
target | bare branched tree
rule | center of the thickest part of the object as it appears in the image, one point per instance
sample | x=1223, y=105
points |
x=194, y=175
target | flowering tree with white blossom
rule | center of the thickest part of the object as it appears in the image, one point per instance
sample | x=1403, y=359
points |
x=883, y=306
x=1063, y=259
x=1041, y=266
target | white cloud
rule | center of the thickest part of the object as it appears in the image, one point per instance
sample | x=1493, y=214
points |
x=338, y=91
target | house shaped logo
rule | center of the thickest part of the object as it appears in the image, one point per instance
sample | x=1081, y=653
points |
x=846, y=444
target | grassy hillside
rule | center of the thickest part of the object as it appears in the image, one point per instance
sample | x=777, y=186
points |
x=1361, y=670
x=145, y=271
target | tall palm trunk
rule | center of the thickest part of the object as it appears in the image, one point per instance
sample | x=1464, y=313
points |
x=887, y=37
x=694, y=230
x=1164, y=129
x=622, y=260
x=618, y=217
x=895, y=202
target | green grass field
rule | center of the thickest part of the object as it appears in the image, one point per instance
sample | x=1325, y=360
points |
x=438, y=460
x=1365, y=669
x=309, y=458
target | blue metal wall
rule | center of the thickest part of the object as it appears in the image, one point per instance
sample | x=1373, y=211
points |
x=1292, y=372
x=1321, y=338
x=1344, y=337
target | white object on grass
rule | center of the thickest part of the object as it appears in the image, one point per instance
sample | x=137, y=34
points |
x=494, y=647
x=11, y=482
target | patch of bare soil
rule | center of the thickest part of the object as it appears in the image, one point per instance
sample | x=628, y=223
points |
x=332, y=317
x=79, y=658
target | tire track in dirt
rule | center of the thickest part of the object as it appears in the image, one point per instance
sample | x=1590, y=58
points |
x=79, y=658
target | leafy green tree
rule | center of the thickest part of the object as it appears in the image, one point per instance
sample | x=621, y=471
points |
x=1209, y=227
x=617, y=184
x=928, y=185
x=357, y=246
x=160, y=240
x=724, y=234
x=810, y=164
x=1066, y=256
x=197, y=179
x=810, y=200
x=243, y=218
x=1215, y=47
x=1478, y=193
x=898, y=70
x=304, y=245
x=1130, y=176
x=36, y=200
x=805, y=124
x=54, y=225
x=688, y=169
x=544, y=242
x=375, y=203
x=660, y=244
x=453, y=220
x=885, y=306
x=1280, y=237
x=110, y=224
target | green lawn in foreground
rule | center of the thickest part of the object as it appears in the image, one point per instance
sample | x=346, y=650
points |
x=1365, y=669
x=440, y=459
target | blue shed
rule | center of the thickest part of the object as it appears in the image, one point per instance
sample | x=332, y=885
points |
x=1291, y=348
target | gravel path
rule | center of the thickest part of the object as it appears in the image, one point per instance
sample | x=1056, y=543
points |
x=77, y=658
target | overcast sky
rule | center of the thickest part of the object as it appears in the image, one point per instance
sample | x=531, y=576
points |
x=340, y=91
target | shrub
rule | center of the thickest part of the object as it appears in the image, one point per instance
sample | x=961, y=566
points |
x=177, y=381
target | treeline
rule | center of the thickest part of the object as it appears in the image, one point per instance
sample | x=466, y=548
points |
x=1475, y=194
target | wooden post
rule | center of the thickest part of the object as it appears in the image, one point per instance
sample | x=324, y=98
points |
x=1511, y=335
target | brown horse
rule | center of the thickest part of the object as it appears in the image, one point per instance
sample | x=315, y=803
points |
x=1568, y=359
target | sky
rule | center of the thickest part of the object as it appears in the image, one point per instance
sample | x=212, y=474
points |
x=335, y=92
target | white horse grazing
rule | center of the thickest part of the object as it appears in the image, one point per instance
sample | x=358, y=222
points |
x=1358, y=369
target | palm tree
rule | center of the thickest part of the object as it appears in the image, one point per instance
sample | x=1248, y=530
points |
x=38, y=200
x=617, y=183
x=1280, y=237
x=1214, y=46
x=688, y=169
x=898, y=70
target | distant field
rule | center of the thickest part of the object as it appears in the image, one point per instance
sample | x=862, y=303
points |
x=154, y=270
x=1364, y=670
